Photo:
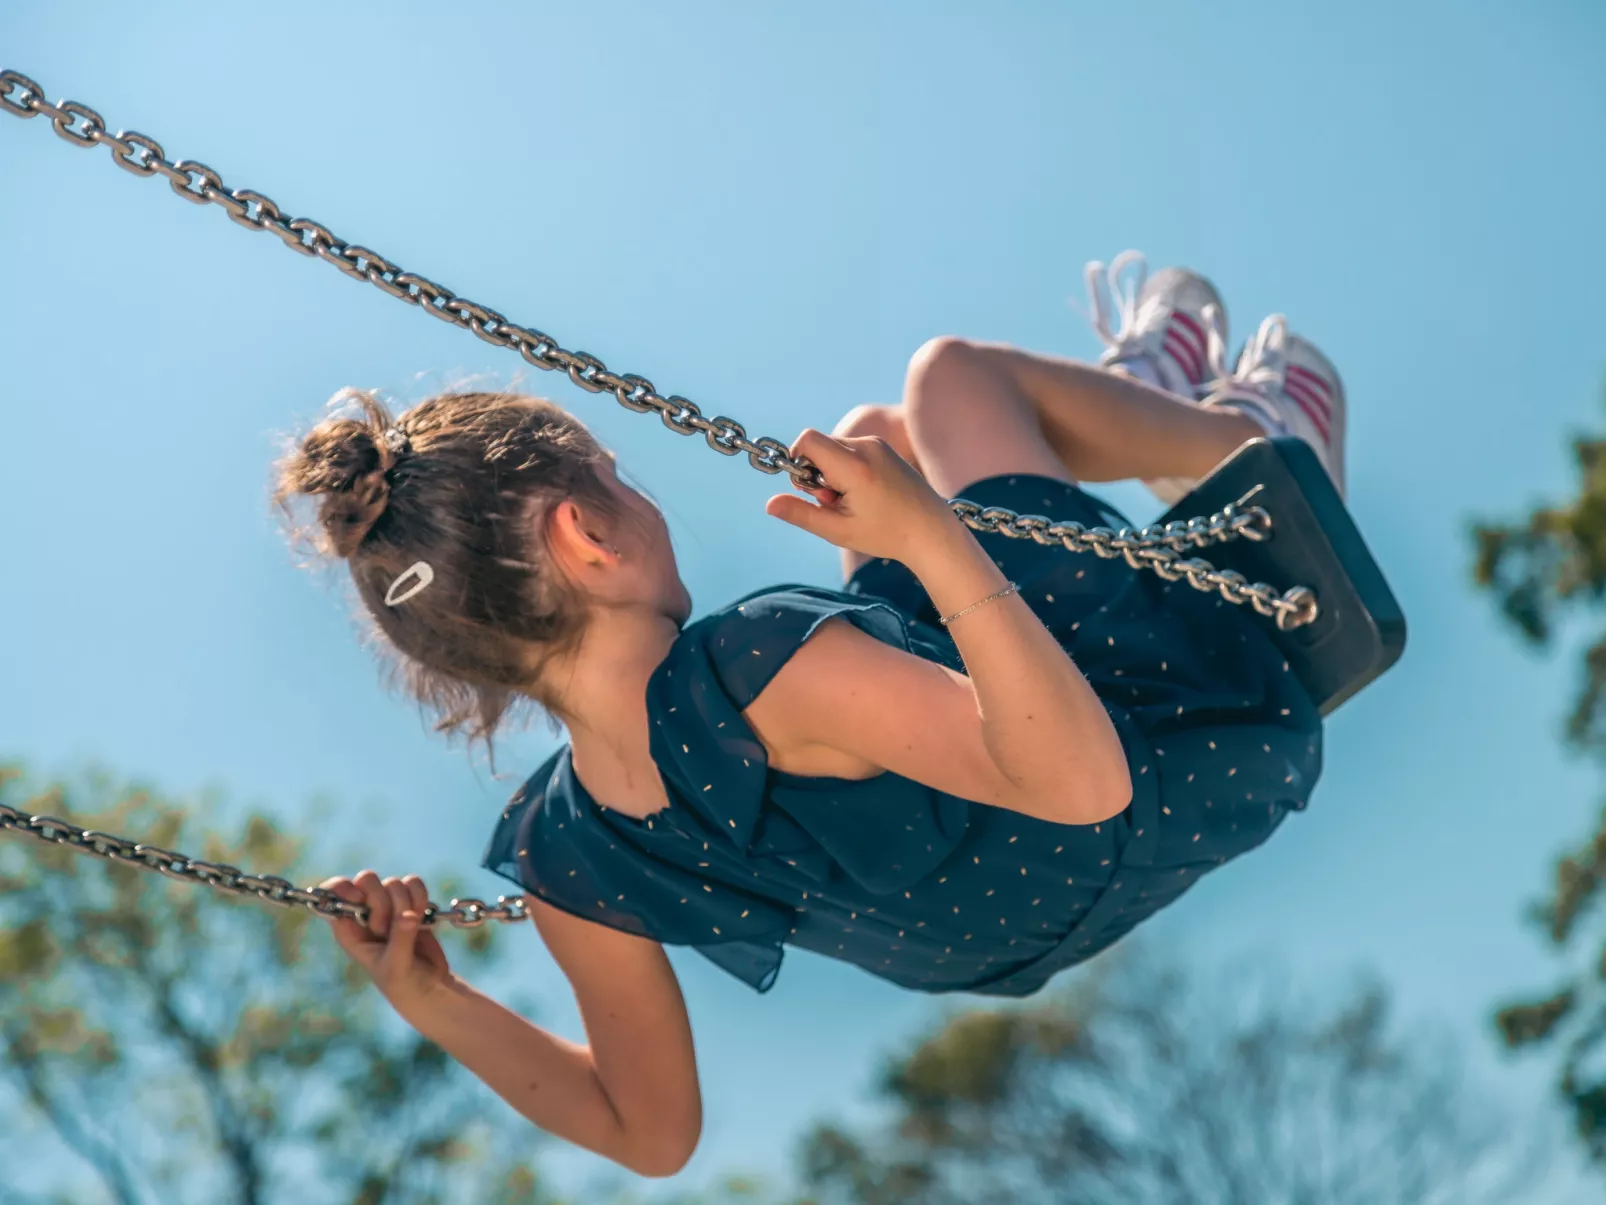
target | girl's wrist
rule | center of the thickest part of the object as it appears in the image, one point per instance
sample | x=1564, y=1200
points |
x=429, y=1010
x=943, y=546
x=957, y=572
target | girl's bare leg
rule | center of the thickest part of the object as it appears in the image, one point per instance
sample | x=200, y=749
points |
x=975, y=410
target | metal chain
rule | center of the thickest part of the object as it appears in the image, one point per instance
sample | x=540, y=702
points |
x=1159, y=550
x=463, y=914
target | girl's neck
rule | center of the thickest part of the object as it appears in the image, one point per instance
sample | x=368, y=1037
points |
x=604, y=691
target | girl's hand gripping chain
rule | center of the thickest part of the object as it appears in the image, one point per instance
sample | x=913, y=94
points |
x=876, y=503
x=404, y=960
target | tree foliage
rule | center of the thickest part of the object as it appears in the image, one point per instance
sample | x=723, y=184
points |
x=1548, y=575
x=160, y=1042
x=1150, y=1087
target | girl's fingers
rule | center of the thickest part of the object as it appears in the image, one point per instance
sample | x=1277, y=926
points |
x=426, y=946
x=378, y=901
x=418, y=893
x=817, y=520
x=397, y=959
x=827, y=453
x=343, y=887
x=400, y=896
x=811, y=441
x=824, y=495
x=347, y=931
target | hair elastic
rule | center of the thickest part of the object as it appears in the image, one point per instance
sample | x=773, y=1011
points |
x=420, y=573
x=396, y=440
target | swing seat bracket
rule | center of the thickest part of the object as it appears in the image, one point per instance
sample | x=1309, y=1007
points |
x=1359, y=630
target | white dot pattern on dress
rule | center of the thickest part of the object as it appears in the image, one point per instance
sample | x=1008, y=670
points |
x=1088, y=866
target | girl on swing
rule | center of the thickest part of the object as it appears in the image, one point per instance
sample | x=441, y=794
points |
x=978, y=763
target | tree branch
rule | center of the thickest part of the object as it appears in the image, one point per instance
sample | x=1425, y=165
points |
x=101, y=1156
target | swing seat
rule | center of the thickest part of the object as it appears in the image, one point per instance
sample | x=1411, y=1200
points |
x=1359, y=632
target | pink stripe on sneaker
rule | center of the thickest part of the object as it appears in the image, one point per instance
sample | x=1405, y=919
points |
x=1314, y=410
x=1185, y=354
x=1190, y=335
x=1185, y=357
x=1319, y=387
x=1309, y=396
x=1200, y=340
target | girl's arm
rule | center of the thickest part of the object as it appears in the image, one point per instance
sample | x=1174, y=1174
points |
x=1024, y=730
x=630, y=1095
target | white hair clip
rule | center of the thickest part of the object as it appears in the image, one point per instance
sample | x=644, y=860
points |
x=396, y=440
x=416, y=577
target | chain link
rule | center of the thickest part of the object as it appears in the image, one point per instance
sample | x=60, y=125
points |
x=231, y=880
x=1158, y=551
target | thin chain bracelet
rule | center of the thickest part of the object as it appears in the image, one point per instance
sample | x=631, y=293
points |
x=1004, y=593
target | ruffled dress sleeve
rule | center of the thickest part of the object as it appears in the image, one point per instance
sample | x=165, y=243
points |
x=745, y=858
x=809, y=840
x=558, y=844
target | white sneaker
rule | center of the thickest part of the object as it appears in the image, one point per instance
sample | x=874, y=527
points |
x=1165, y=323
x=1289, y=387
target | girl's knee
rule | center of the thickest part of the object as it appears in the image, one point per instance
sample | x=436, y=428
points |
x=951, y=379
x=870, y=420
x=940, y=359
x=879, y=422
x=966, y=412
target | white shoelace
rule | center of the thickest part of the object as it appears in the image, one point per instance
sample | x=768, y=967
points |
x=1267, y=355
x=1108, y=295
x=1217, y=371
x=1267, y=360
x=1113, y=292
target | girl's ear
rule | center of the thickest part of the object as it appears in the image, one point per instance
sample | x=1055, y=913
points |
x=576, y=537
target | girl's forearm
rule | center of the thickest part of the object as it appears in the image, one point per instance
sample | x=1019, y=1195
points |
x=552, y=1082
x=1044, y=726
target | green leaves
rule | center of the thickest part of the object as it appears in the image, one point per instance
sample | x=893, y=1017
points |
x=178, y=1045
x=1145, y=1087
x=1543, y=570
x=970, y=1060
x=27, y=950
x=1524, y=1024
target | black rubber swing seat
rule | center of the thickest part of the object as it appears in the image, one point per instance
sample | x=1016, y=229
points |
x=1359, y=631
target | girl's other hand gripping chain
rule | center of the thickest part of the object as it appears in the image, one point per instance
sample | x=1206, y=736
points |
x=404, y=959
x=875, y=502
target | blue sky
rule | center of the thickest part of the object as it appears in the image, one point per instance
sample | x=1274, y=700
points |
x=767, y=208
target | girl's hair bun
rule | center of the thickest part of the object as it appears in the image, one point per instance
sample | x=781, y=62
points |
x=345, y=462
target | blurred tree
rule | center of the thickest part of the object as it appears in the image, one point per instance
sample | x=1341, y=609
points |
x=1546, y=571
x=160, y=1042
x=1146, y=1087
x=743, y=1189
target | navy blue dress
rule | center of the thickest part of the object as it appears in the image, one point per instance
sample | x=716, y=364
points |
x=928, y=890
